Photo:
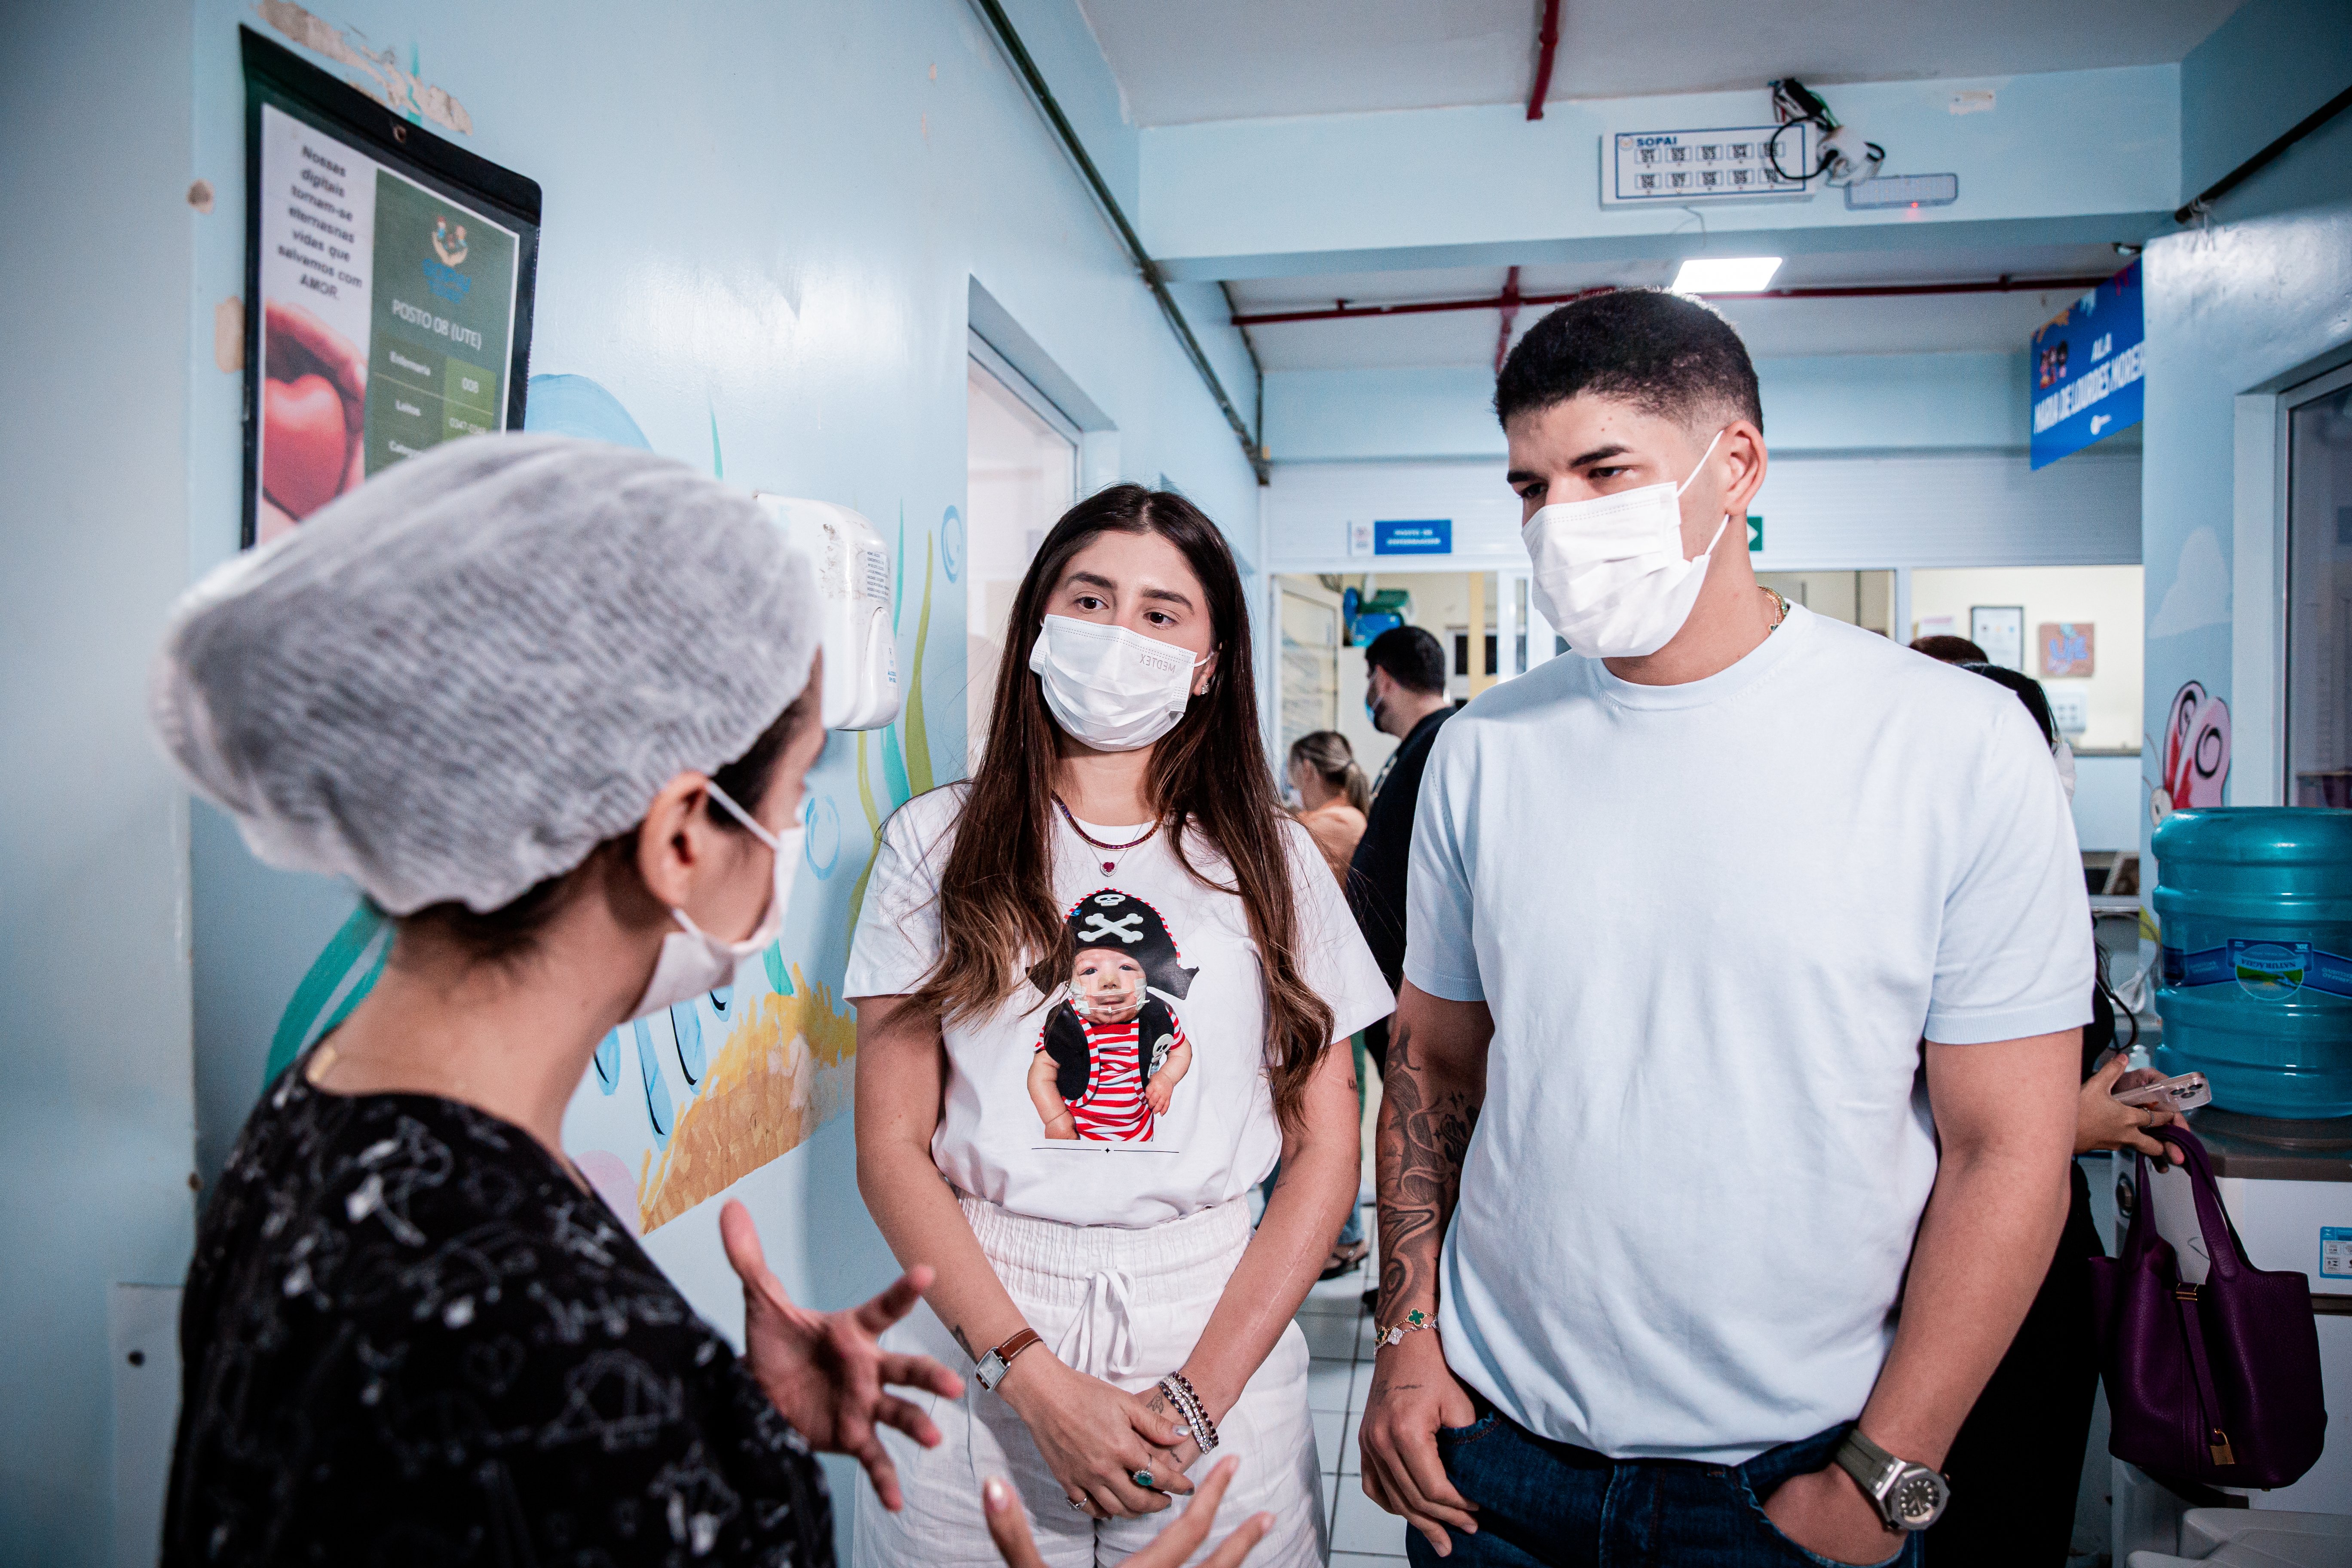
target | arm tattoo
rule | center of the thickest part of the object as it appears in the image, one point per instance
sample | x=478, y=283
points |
x=1424, y=1131
x=958, y=1333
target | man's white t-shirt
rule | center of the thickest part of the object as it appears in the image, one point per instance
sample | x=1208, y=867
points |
x=1204, y=994
x=1713, y=922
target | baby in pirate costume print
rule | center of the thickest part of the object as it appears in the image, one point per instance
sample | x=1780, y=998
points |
x=1112, y=1052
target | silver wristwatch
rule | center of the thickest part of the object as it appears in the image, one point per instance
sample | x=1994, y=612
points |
x=1908, y=1496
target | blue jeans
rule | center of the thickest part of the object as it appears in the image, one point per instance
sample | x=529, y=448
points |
x=1541, y=1502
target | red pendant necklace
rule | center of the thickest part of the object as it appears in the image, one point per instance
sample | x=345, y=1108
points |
x=1109, y=866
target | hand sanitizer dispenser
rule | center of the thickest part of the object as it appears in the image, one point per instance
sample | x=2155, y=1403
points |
x=852, y=578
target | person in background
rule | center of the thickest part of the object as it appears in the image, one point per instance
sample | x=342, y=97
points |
x=1948, y=649
x=1333, y=795
x=1674, y=1268
x=1404, y=693
x=412, y=1330
x=2017, y=1464
x=1123, y=1317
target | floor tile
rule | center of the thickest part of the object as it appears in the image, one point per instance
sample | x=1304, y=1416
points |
x=1330, y=1441
x=1359, y=1524
x=1331, y=1335
x=1364, y=1560
x=1328, y=1384
x=1349, y=1463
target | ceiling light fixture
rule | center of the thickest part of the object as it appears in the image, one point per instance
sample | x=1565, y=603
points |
x=1726, y=274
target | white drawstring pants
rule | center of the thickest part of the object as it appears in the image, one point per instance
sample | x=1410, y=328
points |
x=1125, y=1306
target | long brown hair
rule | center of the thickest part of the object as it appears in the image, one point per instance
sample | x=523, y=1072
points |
x=997, y=904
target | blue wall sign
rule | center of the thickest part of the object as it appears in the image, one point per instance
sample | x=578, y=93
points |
x=1420, y=536
x=2084, y=369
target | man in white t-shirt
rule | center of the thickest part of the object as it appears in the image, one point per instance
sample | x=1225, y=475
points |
x=1735, y=1063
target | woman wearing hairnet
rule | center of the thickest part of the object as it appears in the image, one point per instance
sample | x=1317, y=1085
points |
x=549, y=704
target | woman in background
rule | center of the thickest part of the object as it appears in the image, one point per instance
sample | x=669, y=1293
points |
x=1333, y=795
x=2017, y=1463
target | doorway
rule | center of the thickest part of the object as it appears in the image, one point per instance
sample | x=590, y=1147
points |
x=1021, y=476
x=1324, y=622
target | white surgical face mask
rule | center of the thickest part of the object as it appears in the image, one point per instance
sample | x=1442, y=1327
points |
x=1109, y=687
x=692, y=960
x=1609, y=573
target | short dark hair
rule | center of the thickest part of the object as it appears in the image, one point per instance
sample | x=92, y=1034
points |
x=1950, y=650
x=1664, y=353
x=1413, y=659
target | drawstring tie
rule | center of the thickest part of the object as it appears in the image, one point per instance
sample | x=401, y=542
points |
x=1100, y=1340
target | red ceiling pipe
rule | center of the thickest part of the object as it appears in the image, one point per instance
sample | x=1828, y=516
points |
x=1342, y=311
x=1511, y=314
x=1547, y=41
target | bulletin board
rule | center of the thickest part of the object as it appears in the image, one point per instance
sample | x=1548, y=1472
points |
x=389, y=277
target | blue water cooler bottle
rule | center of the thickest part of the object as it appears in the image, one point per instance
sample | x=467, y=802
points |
x=2255, y=988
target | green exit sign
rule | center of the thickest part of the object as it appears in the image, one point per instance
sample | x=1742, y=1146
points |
x=1755, y=532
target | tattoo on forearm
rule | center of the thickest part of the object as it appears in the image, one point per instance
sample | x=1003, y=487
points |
x=958, y=1333
x=1424, y=1131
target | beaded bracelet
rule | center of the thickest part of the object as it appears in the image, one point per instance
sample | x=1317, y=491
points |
x=1187, y=1400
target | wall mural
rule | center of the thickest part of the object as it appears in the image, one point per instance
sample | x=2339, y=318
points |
x=680, y=1106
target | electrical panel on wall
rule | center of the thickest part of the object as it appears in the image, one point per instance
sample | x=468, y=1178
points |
x=1676, y=168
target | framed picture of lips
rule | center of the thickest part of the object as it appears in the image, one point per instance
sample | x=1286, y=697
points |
x=389, y=276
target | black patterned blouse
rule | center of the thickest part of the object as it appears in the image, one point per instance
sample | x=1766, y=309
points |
x=409, y=1338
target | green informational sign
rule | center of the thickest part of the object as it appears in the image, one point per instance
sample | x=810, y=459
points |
x=1755, y=532
x=443, y=302
x=390, y=276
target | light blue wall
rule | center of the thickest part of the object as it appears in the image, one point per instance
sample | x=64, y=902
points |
x=2254, y=78
x=2232, y=307
x=97, y=1121
x=762, y=219
x=1842, y=403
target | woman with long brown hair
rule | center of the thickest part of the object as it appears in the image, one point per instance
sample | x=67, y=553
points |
x=1097, y=987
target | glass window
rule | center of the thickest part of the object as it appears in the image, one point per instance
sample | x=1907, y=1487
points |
x=2319, y=597
x=1310, y=666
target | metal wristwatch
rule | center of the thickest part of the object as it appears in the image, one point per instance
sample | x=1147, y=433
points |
x=993, y=1366
x=1908, y=1496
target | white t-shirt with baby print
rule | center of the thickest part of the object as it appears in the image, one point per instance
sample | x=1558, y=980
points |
x=1135, y=1090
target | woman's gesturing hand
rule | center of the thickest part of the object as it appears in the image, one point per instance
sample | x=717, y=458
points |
x=1173, y=1546
x=2102, y=1121
x=826, y=1370
x=1095, y=1437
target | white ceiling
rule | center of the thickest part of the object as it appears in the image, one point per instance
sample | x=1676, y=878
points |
x=1773, y=329
x=1184, y=60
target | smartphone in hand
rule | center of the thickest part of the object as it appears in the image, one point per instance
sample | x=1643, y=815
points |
x=2185, y=1092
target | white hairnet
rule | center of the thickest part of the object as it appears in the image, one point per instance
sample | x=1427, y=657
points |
x=459, y=680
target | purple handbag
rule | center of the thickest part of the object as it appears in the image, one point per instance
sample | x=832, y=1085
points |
x=2211, y=1386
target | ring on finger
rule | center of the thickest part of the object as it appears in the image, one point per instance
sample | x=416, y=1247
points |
x=1079, y=1503
x=1141, y=1479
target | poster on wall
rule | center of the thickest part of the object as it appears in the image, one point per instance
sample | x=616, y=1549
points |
x=390, y=275
x=2000, y=630
x=2086, y=370
x=2069, y=649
